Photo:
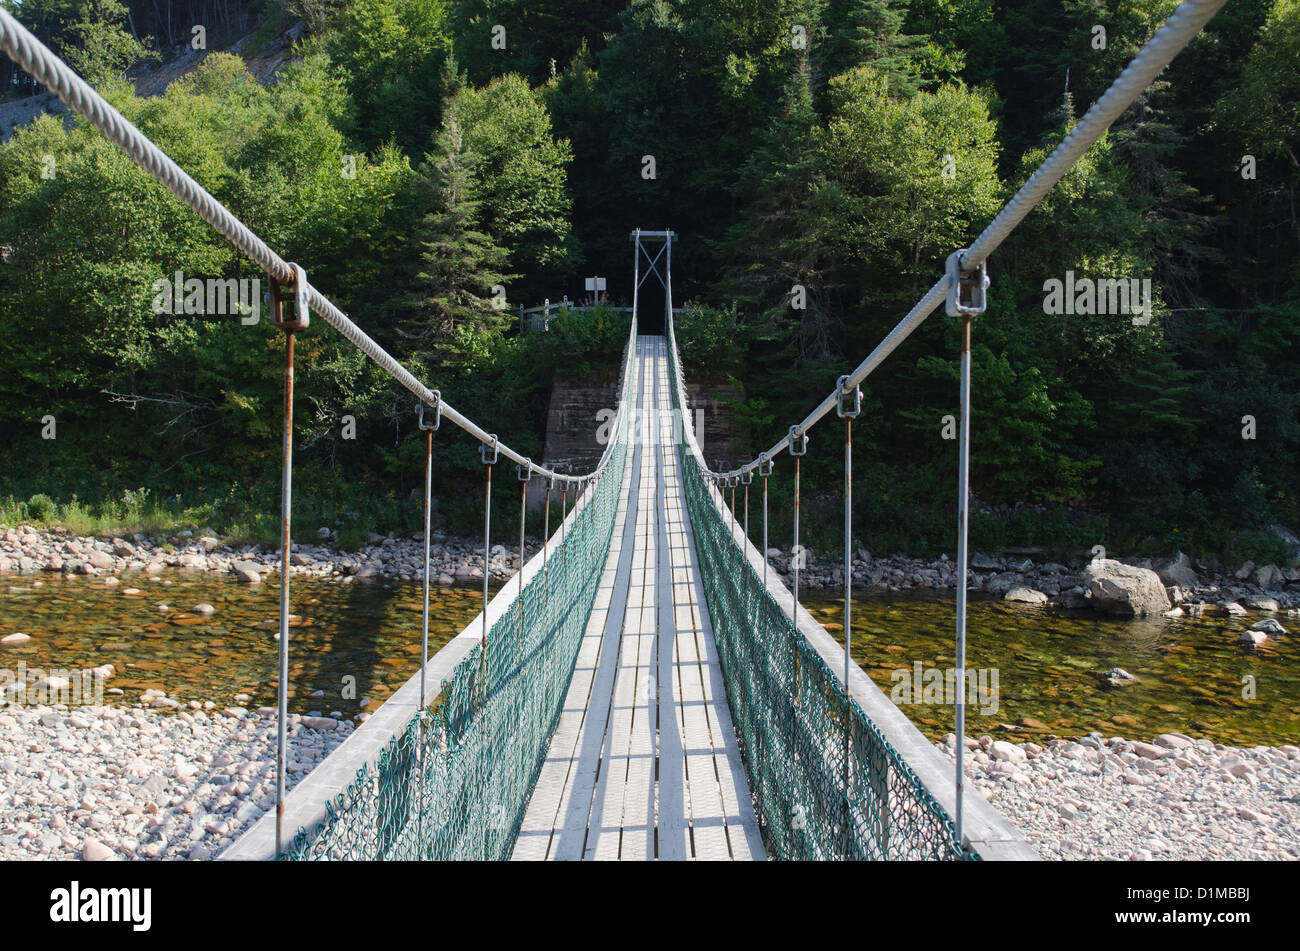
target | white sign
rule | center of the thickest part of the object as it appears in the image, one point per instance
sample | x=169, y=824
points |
x=595, y=283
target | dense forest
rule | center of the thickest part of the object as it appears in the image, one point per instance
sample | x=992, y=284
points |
x=819, y=159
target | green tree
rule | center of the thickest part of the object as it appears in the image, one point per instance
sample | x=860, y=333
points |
x=104, y=50
x=454, y=312
x=870, y=33
x=520, y=178
x=392, y=55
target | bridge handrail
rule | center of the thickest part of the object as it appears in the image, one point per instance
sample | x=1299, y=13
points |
x=59, y=78
x=323, y=803
x=307, y=805
x=986, y=834
x=1183, y=24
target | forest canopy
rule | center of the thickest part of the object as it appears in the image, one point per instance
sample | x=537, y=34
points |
x=819, y=160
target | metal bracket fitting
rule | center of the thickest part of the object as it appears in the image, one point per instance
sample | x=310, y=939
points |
x=524, y=470
x=747, y=477
x=437, y=413
x=302, y=313
x=967, y=289
x=483, y=451
x=798, y=441
x=847, y=405
x=764, y=466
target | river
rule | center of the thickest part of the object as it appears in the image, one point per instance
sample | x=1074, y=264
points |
x=1192, y=677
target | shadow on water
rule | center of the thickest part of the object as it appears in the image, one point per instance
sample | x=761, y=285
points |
x=1192, y=676
x=367, y=631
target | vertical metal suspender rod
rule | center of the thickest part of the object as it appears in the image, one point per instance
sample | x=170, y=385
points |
x=798, y=447
x=524, y=475
x=428, y=510
x=300, y=321
x=765, y=470
x=424, y=611
x=546, y=534
x=489, y=456
x=967, y=298
x=849, y=405
x=963, y=516
x=564, y=516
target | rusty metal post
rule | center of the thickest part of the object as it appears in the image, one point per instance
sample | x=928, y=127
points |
x=300, y=322
x=525, y=473
x=489, y=460
x=428, y=509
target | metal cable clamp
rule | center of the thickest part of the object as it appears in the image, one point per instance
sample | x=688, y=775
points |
x=764, y=465
x=483, y=451
x=525, y=470
x=845, y=409
x=437, y=413
x=798, y=441
x=302, y=312
x=967, y=289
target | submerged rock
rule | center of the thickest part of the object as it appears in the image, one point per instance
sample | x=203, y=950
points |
x=1116, y=677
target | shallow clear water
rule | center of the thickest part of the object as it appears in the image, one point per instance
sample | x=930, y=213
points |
x=1190, y=672
x=367, y=631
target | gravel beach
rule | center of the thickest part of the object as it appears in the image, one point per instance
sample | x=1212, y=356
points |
x=1119, y=799
x=104, y=782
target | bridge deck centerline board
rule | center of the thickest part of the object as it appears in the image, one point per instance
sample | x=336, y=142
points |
x=644, y=763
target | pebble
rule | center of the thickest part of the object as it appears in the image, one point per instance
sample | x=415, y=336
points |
x=95, y=851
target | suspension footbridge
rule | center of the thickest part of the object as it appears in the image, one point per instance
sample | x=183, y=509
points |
x=645, y=688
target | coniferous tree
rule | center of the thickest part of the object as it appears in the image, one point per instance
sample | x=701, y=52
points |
x=869, y=33
x=456, y=311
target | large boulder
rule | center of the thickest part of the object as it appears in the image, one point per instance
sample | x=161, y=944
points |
x=1267, y=576
x=1117, y=588
x=1178, y=571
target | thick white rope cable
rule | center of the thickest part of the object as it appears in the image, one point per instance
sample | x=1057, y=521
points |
x=1179, y=30
x=46, y=67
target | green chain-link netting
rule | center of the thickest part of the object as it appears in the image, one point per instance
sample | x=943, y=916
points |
x=796, y=727
x=455, y=782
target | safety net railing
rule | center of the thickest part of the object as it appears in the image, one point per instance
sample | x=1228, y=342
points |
x=455, y=782
x=826, y=783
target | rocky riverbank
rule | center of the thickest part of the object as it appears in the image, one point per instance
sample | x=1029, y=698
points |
x=452, y=560
x=104, y=782
x=1130, y=586
x=1120, y=799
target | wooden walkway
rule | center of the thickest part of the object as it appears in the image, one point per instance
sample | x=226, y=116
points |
x=643, y=763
